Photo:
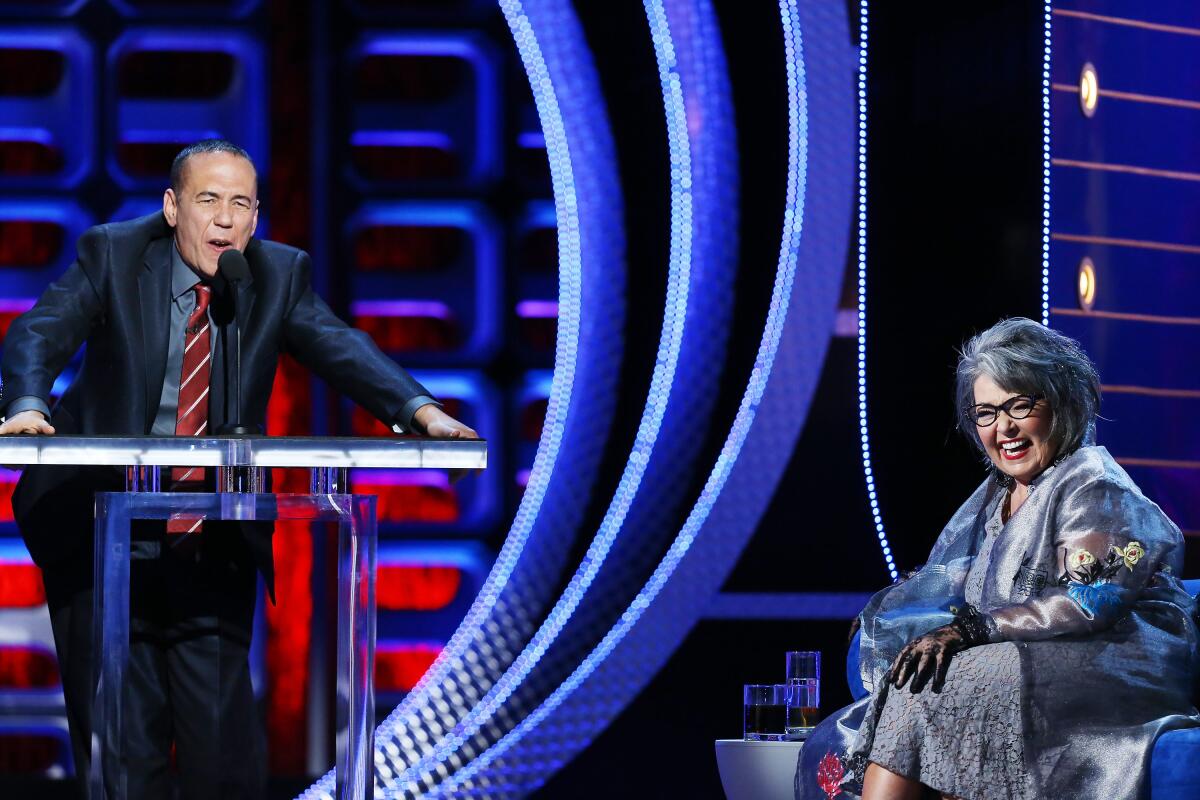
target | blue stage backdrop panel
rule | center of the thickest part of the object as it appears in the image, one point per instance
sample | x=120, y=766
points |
x=33, y=728
x=175, y=9
x=423, y=590
x=530, y=401
x=425, y=111
x=170, y=87
x=534, y=316
x=428, y=275
x=426, y=500
x=1124, y=252
x=37, y=241
x=46, y=8
x=47, y=108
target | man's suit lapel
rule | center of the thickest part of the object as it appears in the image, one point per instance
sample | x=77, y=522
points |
x=154, y=288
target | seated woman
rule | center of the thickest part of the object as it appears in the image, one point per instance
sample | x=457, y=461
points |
x=1048, y=641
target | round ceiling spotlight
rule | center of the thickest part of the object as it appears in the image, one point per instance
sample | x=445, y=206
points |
x=1089, y=90
x=1087, y=284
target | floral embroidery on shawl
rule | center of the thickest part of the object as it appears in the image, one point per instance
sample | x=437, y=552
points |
x=829, y=775
x=1094, y=598
x=1132, y=553
x=1088, y=580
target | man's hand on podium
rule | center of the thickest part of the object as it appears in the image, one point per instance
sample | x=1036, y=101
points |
x=439, y=425
x=28, y=422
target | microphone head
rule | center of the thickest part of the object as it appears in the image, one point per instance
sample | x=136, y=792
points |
x=233, y=266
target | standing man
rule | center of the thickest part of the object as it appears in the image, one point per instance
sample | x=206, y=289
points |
x=142, y=296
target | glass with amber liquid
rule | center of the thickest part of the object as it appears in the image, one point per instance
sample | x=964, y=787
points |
x=765, y=712
x=803, y=696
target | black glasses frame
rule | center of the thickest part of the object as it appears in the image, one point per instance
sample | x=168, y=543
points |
x=973, y=412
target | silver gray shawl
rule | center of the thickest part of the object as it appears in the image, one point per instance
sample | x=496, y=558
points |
x=1085, y=579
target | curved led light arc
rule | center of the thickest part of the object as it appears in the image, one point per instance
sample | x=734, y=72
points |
x=529, y=778
x=1046, y=167
x=864, y=434
x=661, y=384
x=431, y=699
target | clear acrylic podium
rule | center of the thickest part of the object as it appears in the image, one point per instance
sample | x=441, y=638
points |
x=240, y=464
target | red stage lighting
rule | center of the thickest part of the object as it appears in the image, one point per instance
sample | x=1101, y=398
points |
x=409, y=248
x=399, y=665
x=26, y=243
x=416, y=587
x=25, y=158
x=21, y=584
x=28, y=668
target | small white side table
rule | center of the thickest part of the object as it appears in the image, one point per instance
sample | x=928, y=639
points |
x=757, y=770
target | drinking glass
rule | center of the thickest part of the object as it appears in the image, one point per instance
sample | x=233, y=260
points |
x=803, y=697
x=765, y=712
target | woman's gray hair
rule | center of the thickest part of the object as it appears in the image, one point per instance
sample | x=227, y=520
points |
x=1025, y=357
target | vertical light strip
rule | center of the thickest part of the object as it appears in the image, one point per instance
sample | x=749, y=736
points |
x=1046, y=169
x=862, y=292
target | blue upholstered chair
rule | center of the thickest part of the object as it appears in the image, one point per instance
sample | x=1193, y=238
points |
x=1175, y=763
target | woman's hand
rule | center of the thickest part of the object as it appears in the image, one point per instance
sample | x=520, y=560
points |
x=928, y=657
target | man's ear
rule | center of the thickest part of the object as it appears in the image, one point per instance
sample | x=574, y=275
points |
x=170, y=209
x=254, y=222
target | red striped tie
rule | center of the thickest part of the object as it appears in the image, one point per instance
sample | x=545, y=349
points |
x=191, y=417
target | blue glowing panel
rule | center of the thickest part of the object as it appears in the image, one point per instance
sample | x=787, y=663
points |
x=171, y=88
x=531, y=400
x=170, y=9
x=1120, y=283
x=47, y=108
x=1123, y=247
x=1174, y=13
x=44, y=8
x=427, y=279
x=428, y=607
x=535, y=311
x=426, y=500
x=33, y=724
x=417, y=10
x=425, y=110
x=37, y=242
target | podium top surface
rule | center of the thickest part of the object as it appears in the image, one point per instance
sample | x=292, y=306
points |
x=250, y=451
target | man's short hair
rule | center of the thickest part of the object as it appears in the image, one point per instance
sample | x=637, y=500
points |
x=204, y=146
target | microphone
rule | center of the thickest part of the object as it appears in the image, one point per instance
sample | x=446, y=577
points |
x=233, y=268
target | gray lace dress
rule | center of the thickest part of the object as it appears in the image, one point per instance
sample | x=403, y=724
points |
x=966, y=740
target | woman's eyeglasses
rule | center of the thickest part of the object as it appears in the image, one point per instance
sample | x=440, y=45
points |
x=1018, y=407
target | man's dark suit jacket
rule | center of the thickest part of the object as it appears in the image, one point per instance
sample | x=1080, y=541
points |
x=116, y=298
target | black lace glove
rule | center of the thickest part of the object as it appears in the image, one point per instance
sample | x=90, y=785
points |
x=929, y=656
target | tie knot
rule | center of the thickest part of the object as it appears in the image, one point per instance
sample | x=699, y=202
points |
x=203, y=296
